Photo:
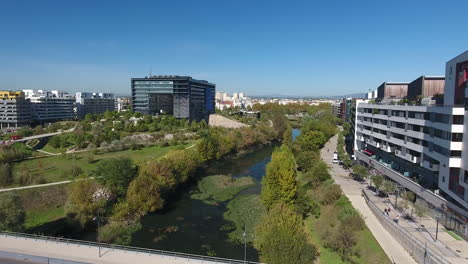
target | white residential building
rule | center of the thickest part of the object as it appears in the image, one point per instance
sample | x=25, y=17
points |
x=419, y=146
x=50, y=106
x=94, y=103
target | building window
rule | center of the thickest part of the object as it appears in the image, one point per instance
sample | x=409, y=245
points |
x=455, y=153
x=443, y=178
x=458, y=120
x=457, y=137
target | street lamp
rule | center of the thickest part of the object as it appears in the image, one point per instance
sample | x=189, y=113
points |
x=98, y=240
x=245, y=243
x=437, y=226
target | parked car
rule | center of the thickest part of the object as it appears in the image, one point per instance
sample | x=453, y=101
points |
x=335, y=158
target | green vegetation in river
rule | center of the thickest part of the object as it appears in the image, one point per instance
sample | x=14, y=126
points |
x=245, y=210
x=220, y=188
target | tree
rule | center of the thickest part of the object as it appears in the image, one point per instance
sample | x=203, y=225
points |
x=116, y=174
x=306, y=159
x=287, y=136
x=279, y=183
x=12, y=213
x=312, y=140
x=280, y=123
x=341, y=239
x=420, y=210
x=144, y=195
x=80, y=201
x=388, y=187
x=208, y=148
x=280, y=238
x=378, y=181
x=360, y=172
x=38, y=130
x=6, y=177
x=118, y=233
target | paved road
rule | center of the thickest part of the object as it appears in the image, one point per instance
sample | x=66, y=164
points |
x=352, y=190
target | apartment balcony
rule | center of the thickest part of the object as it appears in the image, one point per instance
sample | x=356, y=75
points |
x=427, y=195
x=416, y=159
x=387, y=148
x=430, y=166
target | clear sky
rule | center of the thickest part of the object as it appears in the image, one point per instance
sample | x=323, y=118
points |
x=306, y=48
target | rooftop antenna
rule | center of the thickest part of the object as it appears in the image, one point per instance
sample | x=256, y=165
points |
x=150, y=71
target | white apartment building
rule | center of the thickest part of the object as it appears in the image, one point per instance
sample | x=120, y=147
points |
x=50, y=106
x=94, y=103
x=420, y=146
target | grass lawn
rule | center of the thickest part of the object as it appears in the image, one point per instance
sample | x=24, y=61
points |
x=51, y=149
x=220, y=188
x=43, y=205
x=58, y=168
x=35, y=219
x=369, y=249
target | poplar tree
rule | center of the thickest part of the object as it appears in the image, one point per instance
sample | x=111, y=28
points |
x=281, y=238
x=279, y=183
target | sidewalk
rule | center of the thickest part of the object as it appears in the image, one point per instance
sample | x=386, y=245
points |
x=352, y=190
x=425, y=231
x=453, y=250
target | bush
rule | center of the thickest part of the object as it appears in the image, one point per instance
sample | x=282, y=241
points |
x=12, y=213
x=330, y=194
x=118, y=233
x=6, y=177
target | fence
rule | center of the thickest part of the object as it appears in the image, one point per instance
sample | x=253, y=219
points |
x=415, y=247
x=100, y=246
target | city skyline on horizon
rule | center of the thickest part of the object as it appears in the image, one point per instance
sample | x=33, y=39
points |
x=305, y=49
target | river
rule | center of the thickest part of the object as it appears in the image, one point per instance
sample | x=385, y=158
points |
x=191, y=226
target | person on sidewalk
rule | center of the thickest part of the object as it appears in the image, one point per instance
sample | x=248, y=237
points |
x=385, y=211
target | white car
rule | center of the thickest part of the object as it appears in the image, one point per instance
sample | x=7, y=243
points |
x=335, y=158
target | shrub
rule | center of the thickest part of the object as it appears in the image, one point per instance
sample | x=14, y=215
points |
x=118, y=233
x=330, y=194
x=12, y=213
x=6, y=177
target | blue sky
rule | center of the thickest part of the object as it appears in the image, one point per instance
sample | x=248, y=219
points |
x=307, y=48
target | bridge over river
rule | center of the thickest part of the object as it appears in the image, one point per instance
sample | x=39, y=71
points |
x=27, y=248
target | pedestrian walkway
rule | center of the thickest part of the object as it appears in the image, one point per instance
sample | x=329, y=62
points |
x=352, y=190
x=448, y=247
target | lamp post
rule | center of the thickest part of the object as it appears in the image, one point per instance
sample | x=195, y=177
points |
x=98, y=240
x=437, y=227
x=245, y=243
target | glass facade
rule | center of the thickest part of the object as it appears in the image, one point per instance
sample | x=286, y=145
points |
x=190, y=98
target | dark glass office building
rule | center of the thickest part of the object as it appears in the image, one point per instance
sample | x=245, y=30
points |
x=180, y=96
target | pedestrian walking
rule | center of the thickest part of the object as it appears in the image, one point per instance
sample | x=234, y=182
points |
x=385, y=211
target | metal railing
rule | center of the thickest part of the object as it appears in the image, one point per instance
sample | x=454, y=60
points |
x=415, y=247
x=124, y=248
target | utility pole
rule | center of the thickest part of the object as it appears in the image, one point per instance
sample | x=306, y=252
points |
x=437, y=227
